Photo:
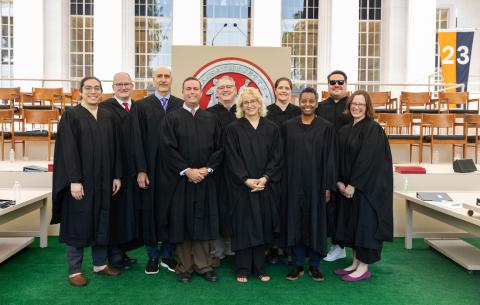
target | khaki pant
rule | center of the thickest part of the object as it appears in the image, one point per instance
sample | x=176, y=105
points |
x=193, y=256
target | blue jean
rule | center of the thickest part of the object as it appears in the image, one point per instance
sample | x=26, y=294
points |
x=299, y=256
x=165, y=251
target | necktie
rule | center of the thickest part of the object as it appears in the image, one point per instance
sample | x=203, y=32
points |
x=164, y=102
x=192, y=111
x=125, y=105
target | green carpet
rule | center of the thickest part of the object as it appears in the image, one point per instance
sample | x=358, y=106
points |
x=418, y=276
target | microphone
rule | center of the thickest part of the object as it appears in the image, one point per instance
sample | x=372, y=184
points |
x=238, y=29
x=215, y=36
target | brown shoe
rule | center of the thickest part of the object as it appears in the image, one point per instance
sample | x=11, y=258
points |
x=78, y=280
x=215, y=262
x=110, y=271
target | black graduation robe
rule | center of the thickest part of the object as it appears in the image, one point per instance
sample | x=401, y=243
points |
x=365, y=162
x=125, y=203
x=148, y=116
x=310, y=169
x=252, y=153
x=192, y=142
x=86, y=151
x=225, y=117
x=276, y=115
x=333, y=112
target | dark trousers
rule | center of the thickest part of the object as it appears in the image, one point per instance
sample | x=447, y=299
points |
x=165, y=251
x=193, y=256
x=250, y=261
x=299, y=253
x=75, y=257
x=368, y=256
x=117, y=253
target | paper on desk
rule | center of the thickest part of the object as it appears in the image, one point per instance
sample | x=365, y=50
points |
x=448, y=204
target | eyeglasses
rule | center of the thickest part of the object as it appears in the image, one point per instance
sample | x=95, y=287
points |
x=333, y=82
x=95, y=88
x=248, y=103
x=120, y=85
x=357, y=105
x=225, y=87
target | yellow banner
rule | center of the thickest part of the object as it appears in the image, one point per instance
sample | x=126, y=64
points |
x=447, y=44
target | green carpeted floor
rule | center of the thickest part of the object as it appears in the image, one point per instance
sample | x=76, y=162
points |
x=419, y=276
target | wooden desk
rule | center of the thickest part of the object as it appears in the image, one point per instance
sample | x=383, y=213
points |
x=31, y=200
x=458, y=250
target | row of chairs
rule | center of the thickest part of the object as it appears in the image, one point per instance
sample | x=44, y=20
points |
x=433, y=129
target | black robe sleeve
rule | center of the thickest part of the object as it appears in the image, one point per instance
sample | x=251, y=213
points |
x=275, y=163
x=176, y=162
x=216, y=158
x=234, y=160
x=138, y=138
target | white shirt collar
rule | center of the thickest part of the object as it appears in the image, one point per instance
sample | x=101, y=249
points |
x=121, y=102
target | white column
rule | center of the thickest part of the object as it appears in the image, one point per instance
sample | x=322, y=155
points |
x=324, y=26
x=420, y=45
x=28, y=49
x=108, y=41
x=128, y=37
x=267, y=23
x=344, y=38
x=187, y=22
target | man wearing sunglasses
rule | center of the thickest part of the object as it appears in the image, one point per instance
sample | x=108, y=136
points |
x=332, y=110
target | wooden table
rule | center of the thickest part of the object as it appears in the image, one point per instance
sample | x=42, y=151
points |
x=456, y=249
x=31, y=200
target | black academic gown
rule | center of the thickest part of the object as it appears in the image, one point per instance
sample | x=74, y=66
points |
x=125, y=203
x=252, y=153
x=225, y=117
x=192, y=142
x=87, y=151
x=148, y=116
x=333, y=112
x=310, y=169
x=365, y=162
x=276, y=115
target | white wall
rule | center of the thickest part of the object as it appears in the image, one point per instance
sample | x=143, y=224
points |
x=267, y=23
x=187, y=22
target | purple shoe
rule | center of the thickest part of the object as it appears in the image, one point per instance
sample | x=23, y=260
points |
x=342, y=272
x=365, y=276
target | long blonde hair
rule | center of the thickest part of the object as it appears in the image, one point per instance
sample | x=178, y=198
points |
x=250, y=93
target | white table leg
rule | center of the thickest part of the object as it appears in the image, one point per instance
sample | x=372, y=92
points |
x=408, y=225
x=43, y=225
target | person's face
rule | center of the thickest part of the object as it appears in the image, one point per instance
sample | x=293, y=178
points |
x=283, y=92
x=192, y=93
x=358, y=107
x=251, y=107
x=162, y=79
x=122, y=86
x=308, y=103
x=226, y=91
x=91, y=92
x=337, y=86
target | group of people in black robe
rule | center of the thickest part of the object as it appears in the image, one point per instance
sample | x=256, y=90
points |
x=238, y=178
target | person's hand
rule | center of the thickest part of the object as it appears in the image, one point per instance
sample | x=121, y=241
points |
x=349, y=191
x=262, y=182
x=142, y=180
x=76, y=189
x=194, y=175
x=203, y=171
x=117, y=184
x=341, y=187
x=327, y=195
x=254, y=185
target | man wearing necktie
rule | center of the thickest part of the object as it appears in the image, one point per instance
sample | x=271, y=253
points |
x=123, y=236
x=150, y=169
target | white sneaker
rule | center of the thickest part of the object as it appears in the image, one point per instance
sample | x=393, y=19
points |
x=336, y=252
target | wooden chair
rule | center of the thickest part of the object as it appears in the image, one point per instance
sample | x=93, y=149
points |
x=417, y=103
x=8, y=96
x=383, y=102
x=473, y=121
x=138, y=94
x=452, y=99
x=6, y=134
x=73, y=98
x=440, y=129
x=399, y=130
x=106, y=96
x=325, y=94
x=43, y=98
x=41, y=117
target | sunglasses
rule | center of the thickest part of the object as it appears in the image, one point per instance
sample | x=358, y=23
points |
x=335, y=82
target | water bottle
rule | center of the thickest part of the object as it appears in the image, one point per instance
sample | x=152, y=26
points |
x=12, y=155
x=17, y=192
x=405, y=184
x=436, y=156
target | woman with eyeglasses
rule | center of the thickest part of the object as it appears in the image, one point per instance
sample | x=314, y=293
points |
x=253, y=156
x=365, y=183
x=86, y=175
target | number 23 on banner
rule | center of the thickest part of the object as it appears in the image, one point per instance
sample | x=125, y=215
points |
x=463, y=55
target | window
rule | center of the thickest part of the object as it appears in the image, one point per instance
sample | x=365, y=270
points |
x=441, y=23
x=369, y=43
x=300, y=33
x=153, y=33
x=6, y=47
x=81, y=40
x=226, y=22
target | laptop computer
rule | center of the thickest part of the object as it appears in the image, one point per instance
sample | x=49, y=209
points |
x=433, y=196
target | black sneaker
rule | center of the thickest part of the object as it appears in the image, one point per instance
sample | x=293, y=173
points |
x=272, y=256
x=169, y=263
x=152, y=266
x=295, y=273
x=315, y=274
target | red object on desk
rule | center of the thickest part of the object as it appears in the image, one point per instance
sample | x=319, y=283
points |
x=50, y=167
x=410, y=169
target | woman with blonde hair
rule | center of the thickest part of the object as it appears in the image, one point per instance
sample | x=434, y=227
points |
x=253, y=156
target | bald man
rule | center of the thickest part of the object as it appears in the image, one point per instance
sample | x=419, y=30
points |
x=150, y=170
